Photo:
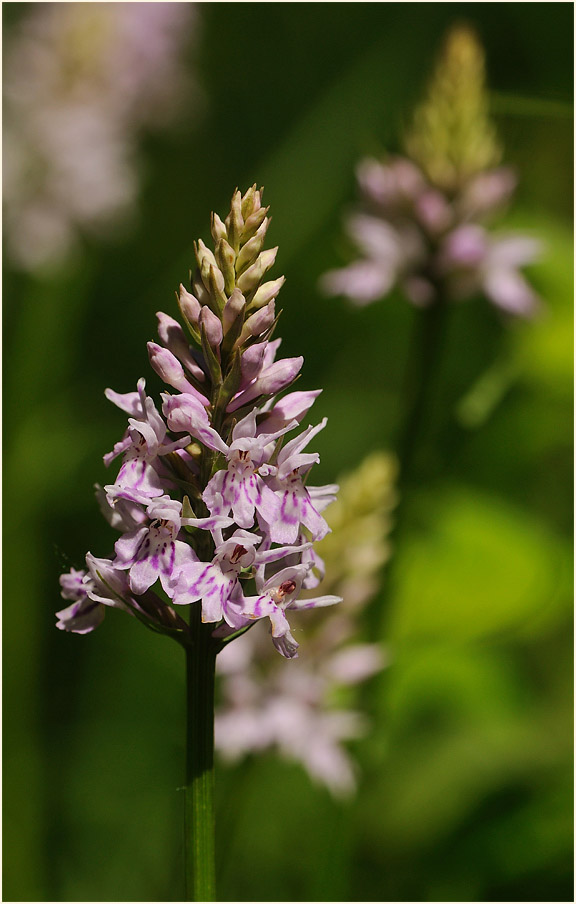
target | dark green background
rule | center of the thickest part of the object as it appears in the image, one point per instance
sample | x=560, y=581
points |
x=466, y=793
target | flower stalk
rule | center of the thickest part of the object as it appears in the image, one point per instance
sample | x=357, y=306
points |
x=199, y=843
x=421, y=377
x=417, y=411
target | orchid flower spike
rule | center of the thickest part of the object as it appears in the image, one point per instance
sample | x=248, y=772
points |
x=212, y=504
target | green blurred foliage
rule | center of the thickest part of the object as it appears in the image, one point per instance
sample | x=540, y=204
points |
x=466, y=784
x=488, y=569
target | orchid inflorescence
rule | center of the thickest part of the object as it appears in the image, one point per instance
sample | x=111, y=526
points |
x=424, y=221
x=212, y=505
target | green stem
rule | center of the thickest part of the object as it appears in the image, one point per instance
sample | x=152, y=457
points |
x=199, y=845
x=421, y=377
x=199, y=823
x=422, y=372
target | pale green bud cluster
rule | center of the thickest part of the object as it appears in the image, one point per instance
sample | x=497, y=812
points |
x=360, y=521
x=452, y=137
x=238, y=261
x=231, y=305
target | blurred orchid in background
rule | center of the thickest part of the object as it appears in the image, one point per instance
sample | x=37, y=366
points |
x=82, y=82
x=306, y=713
x=424, y=217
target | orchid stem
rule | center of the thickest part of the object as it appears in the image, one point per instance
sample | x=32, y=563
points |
x=421, y=376
x=199, y=815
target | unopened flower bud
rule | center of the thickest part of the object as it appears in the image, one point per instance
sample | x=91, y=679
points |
x=204, y=256
x=235, y=221
x=169, y=369
x=250, y=202
x=272, y=380
x=218, y=229
x=183, y=412
x=189, y=305
x=252, y=249
x=252, y=361
x=212, y=277
x=258, y=322
x=232, y=309
x=216, y=290
x=213, y=327
x=253, y=223
x=226, y=257
x=200, y=290
x=173, y=337
x=252, y=276
x=267, y=292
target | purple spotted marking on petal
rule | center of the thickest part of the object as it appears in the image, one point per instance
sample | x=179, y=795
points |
x=289, y=518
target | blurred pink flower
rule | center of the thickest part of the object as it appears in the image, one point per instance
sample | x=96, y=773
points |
x=414, y=236
x=81, y=83
x=289, y=709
